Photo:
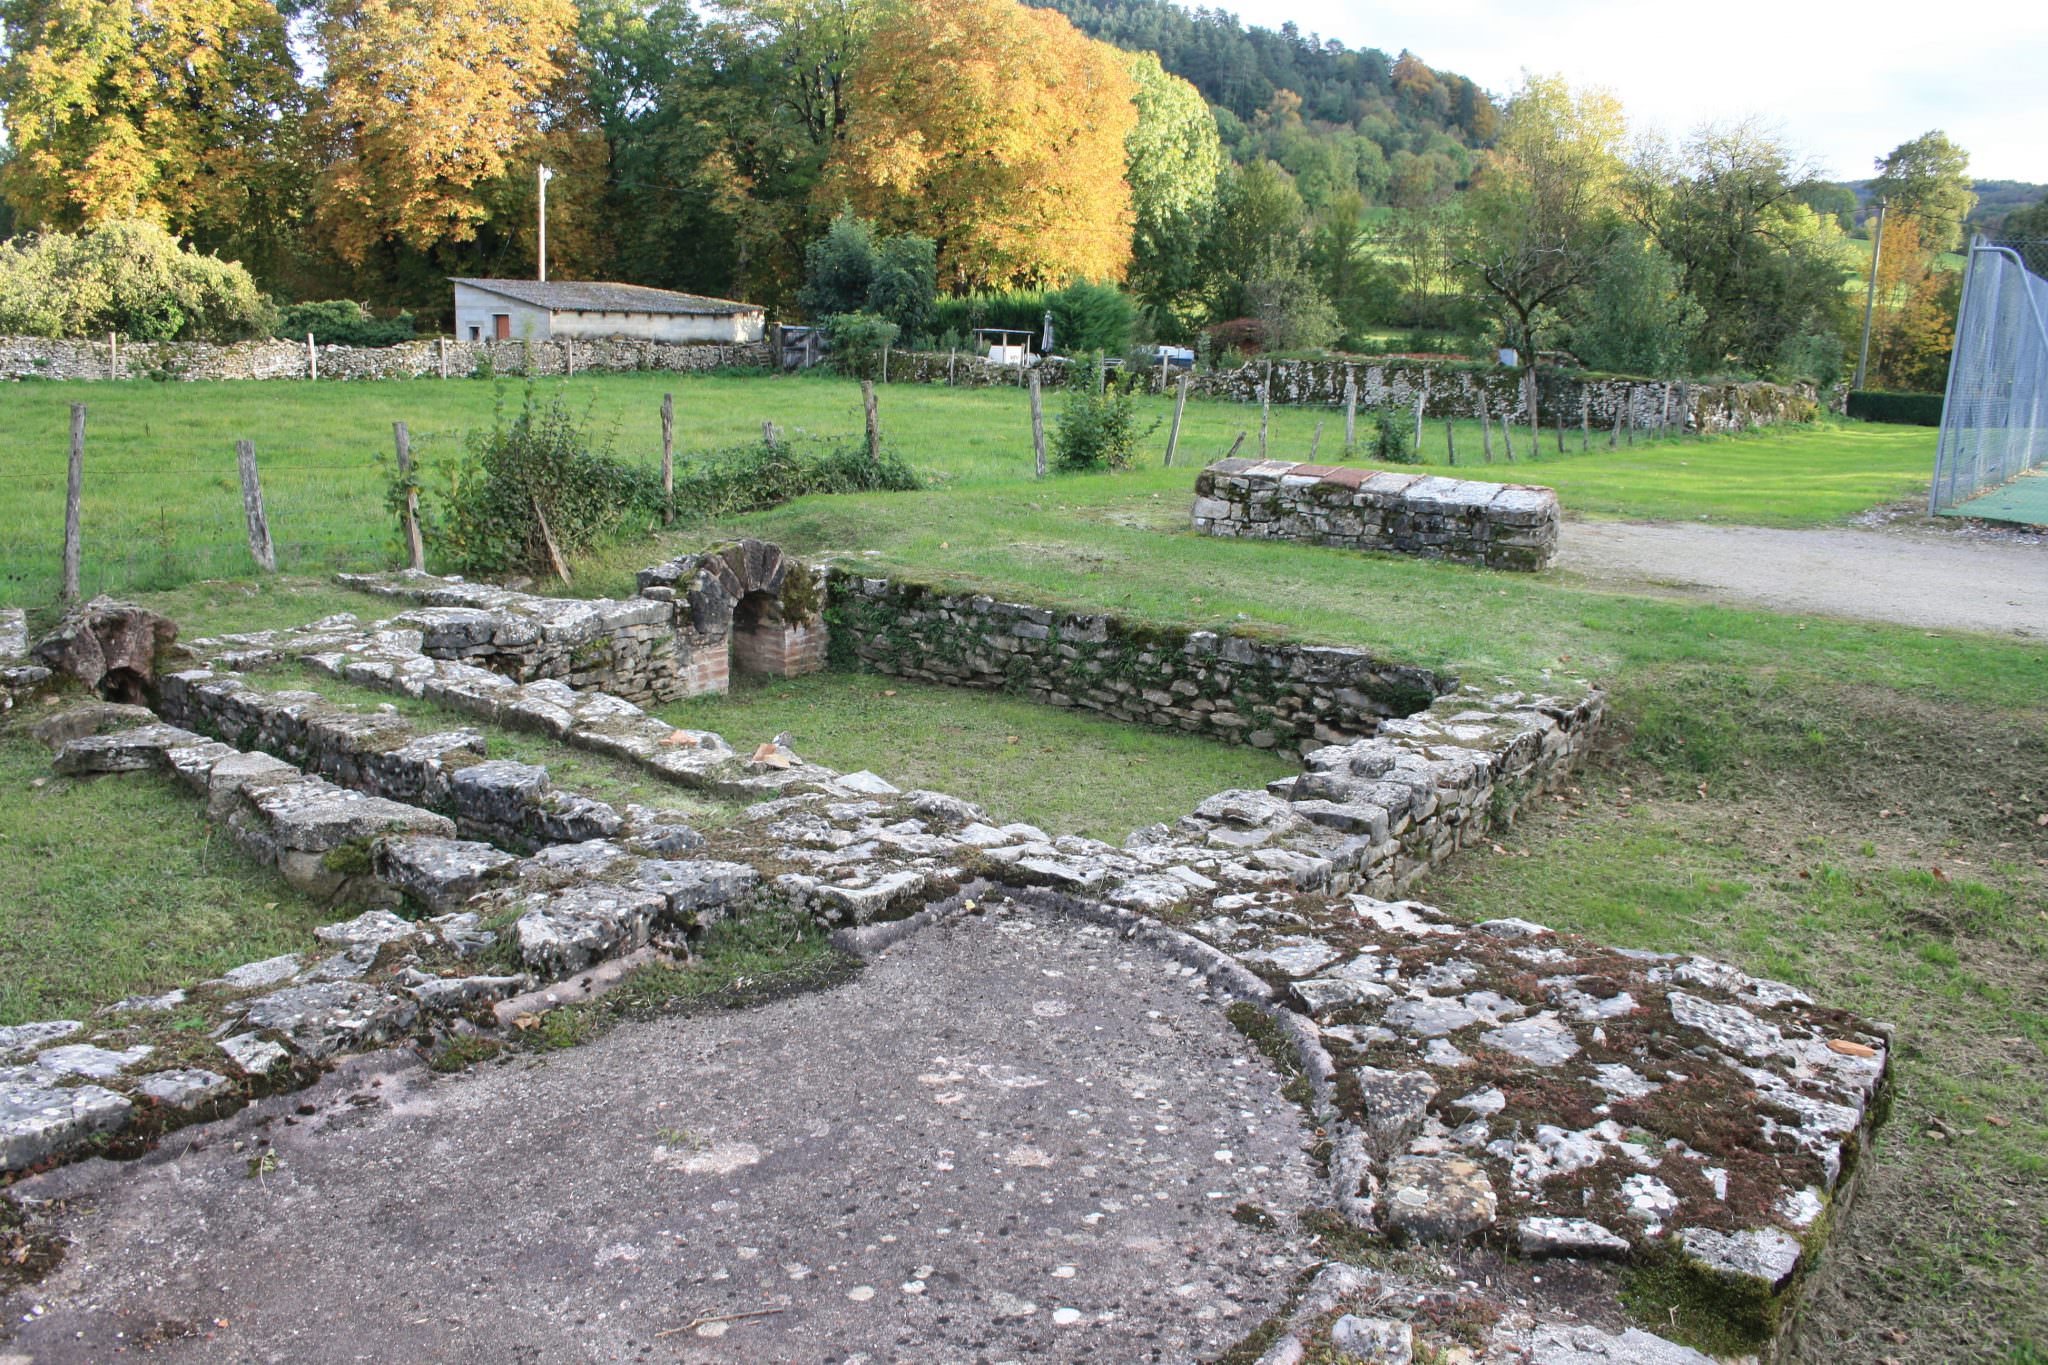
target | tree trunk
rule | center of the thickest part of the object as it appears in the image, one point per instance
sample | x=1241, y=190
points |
x=260, y=548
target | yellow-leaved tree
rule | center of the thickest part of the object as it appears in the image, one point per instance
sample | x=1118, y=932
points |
x=181, y=113
x=997, y=131
x=436, y=113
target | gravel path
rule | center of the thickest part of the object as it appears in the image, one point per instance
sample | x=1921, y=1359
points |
x=1008, y=1139
x=1906, y=578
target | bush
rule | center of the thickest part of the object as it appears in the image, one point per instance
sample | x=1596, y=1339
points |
x=1098, y=426
x=853, y=269
x=132, y=278
x=1091, y=317
x=855, y=342
x=1393, y=440
x=748, y=478
x=340, y=322
x=1020, y=311
x=542, y=462
x=1902, y=409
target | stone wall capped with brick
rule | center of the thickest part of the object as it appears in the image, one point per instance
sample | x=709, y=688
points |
x=1495, y=525
x=1266, y=694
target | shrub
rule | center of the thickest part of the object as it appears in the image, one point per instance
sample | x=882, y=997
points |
x=340, y=322
x=748, y=478
x=856, y=341
x=1091, y=317
x=1903, y=409
x=854, y=269
x=540, y=463
x=127, y=277
x=1393, y=440
x=1098, y=426
x=1235, y=339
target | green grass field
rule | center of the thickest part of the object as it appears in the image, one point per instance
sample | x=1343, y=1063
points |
x=162, y=505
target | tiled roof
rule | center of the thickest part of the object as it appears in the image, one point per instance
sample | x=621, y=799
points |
x=598, y=297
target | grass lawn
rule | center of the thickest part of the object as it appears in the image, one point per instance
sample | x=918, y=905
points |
x=1065, y=771
x=116, y=886
x=162, y=505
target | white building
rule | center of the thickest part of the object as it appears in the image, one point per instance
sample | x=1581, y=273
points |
x=528, y=310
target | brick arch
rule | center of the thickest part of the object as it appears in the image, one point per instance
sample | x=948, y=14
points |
x=746, y=605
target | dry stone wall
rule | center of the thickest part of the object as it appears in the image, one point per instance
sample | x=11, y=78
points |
x=1268, y=695
x=43, y=358
x=1451, y=389
x=1495, y=525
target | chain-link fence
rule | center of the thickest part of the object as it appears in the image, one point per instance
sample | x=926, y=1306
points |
x=1994, y=418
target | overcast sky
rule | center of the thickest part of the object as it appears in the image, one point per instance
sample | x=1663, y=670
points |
x=1846, y=82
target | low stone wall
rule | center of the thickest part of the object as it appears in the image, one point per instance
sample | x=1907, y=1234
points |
x=42, y=358
x=1454, y=389
x=1226, y=686
x=1496, y=525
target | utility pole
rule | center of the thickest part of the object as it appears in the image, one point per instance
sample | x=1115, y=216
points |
x=1870, y=298
x=545, y=175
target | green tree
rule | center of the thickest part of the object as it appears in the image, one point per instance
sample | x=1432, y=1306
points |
x=1927, y=179
x=1637, y=319
x=1546, y=206
x=1091, y=317
x=1173, y=160
x=853, y=269
x=1256, y=234
x=1766, y=270
x=1345, y=268
x=2029, y=223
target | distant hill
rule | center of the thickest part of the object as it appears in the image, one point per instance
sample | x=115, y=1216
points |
x=1995, y=199
x=1402, y=105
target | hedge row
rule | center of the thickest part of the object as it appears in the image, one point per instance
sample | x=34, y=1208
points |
x=1902, y=409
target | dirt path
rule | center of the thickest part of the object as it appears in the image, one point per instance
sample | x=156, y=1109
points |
x=1008, y=1138
x=1905, y=578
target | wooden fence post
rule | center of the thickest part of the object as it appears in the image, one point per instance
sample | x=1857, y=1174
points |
x=416, y=552
x=1037, y=427
x=770, y=433
x=1560, y=429
x=874, y=420
x=441, y=355
x=1585, y=420
x=1350, y=410
x=312, y=359
x=668, y=458
x=1315, y=442
x=1451, y=440
x=113, y=358
x=885, y=362
x=1235, y=446
x=1180, y=403
x=260, y=547
x=1664, y=414
x=74, y=488
x=547, y=539
x=1265, y=411
x=1614, y=431
x=1421, y=402
x=569, y=357
x=1486, y=426
x=952, y=358
x=1628, y=419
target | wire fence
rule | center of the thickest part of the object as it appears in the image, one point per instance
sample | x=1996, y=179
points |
x=1994, y=417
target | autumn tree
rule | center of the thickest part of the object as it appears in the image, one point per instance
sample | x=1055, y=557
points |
x=998, y=132
x=1928, y=180
x=181, y=113
x=435, y=115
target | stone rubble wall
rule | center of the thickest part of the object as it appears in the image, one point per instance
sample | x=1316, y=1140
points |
x=1494, y=525
x=629, y=648
x=44, y=358
x=1268, y=695
x=1454, y=389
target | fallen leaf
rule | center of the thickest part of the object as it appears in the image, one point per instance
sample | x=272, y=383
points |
x=1850, y=1049
x=1939, y=875
x=1009, y=739
x=1998, y=1120
x=680, y=739
x=888, y=691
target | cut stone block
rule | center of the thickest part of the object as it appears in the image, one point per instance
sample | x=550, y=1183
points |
x=326, y=1017
x=185, y=1090
x=39, y=1122
x=1438, y=1199
x=440, y=874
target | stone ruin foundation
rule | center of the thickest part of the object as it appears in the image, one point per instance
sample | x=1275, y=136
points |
x=1516, y=1107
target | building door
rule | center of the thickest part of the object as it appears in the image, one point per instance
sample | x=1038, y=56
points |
x=501, y=325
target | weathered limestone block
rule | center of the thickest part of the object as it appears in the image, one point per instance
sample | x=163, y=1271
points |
x=110, y=647
x=324, y=1018
x=38, y=1122
x=439, y=874
x=563, y=932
